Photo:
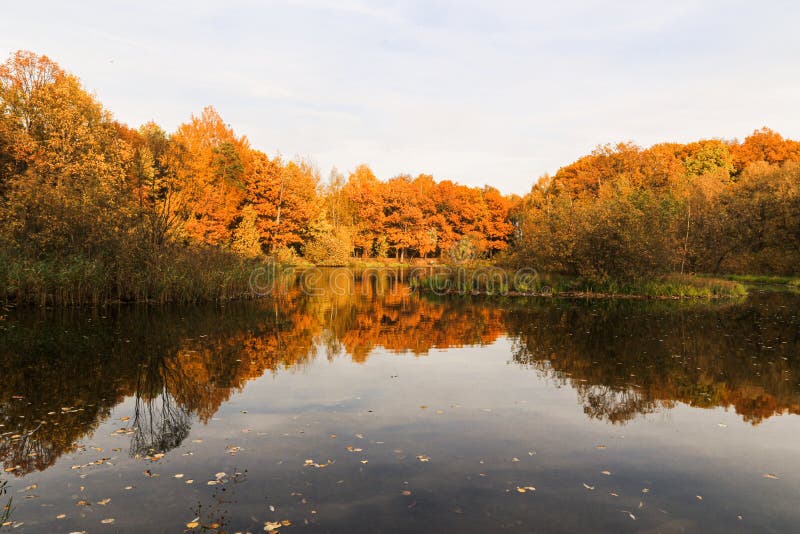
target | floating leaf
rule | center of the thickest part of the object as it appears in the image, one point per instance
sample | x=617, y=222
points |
x=588, y=487
x=108, y=521
x=423, y=458
x=771, y=475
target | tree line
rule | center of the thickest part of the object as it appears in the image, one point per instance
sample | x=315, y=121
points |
x=83, y=195
x=710, y=206
x=92, y=209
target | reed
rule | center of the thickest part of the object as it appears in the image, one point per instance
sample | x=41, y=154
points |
x=180, y=275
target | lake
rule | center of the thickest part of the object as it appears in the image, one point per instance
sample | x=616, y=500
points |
x=358, y=405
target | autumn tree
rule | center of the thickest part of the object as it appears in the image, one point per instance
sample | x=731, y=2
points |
x=207, y=158
x=363, y=192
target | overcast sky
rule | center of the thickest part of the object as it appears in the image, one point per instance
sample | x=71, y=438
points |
x=477, y=92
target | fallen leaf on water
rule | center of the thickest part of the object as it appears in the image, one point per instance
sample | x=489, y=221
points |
x=771, y=475
x=192, y=524
x=272, y=525
x=364, y=461
x=515, y=459
x=82, y=503
x=104, y=502
x=212, y=482
x=220, y=475
x=189, y=481
x=312, y=463
x=699, y=497
x=128, y=487
x=126, y=418
x=423, y=458
x=607, y=473
x=108, y=521
x=629, y=514
x=406, y=493
x=588, y=487
x=360, y=436
x=600, y=447
x=178, y=475
x=61, y=516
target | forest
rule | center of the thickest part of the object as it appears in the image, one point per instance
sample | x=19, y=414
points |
x=93, y=210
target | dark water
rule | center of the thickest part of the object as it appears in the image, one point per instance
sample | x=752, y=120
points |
x=415, y=414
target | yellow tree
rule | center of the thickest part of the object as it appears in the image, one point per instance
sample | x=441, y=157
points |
x=363, y=194
x=207, y=159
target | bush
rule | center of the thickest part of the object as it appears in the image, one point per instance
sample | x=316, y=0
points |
x=329, y=249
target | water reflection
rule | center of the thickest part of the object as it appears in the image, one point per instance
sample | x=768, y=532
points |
x=64, y=371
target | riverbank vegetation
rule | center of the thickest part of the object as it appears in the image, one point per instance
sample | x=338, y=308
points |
x=469, y=281
x=93, y=211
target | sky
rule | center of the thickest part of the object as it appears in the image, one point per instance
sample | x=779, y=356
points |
x=493, y=92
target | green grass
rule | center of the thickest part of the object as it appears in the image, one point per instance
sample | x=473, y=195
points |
x=764, y=279
x=506, y=282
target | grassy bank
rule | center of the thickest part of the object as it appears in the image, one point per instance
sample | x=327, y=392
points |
x=764, y=279
x=181, y=275
x=521, y=283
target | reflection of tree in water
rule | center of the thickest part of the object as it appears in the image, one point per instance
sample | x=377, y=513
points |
x=63, y=375
x=616, y=404
x=625, y=359
x=160, y=424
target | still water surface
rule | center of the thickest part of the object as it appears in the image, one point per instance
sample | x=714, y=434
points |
x=380, y=410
